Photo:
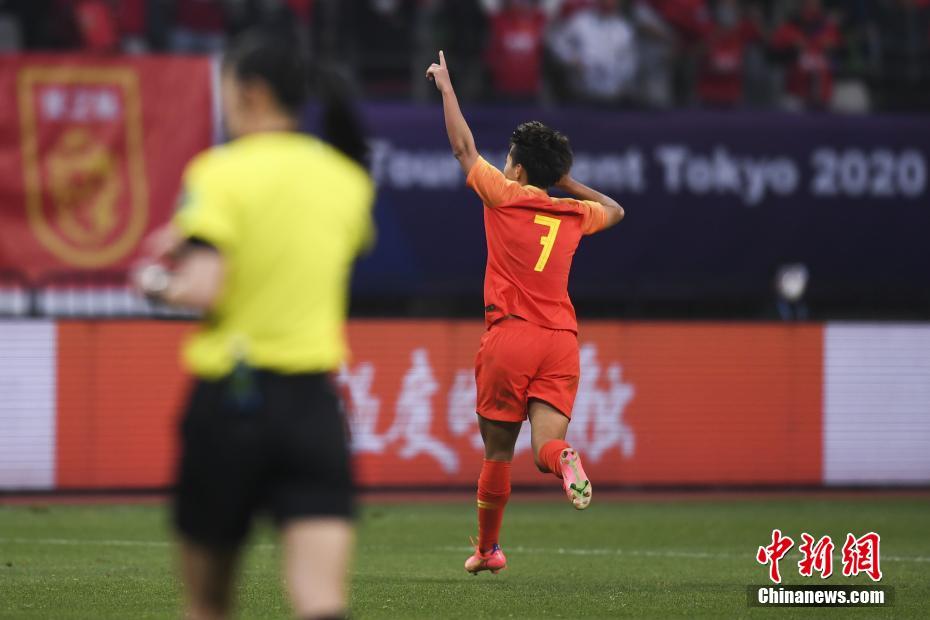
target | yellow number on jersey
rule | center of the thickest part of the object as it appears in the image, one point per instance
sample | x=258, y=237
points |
x=547, y=241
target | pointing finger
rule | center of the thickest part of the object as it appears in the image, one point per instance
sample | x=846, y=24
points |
x=442, y=59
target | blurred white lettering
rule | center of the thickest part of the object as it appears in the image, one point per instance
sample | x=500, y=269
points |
x=363, y=407
x=79, y=104
x=597, y=418
x=856, y=173
x=725, y=173
x=414, y=415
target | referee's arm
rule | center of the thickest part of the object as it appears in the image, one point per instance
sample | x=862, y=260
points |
x=197, y=278
x=194, y=241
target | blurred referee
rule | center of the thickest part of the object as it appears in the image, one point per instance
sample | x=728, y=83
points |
x=264, y=241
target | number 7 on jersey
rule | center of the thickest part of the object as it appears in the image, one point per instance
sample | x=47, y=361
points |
x=547, y=240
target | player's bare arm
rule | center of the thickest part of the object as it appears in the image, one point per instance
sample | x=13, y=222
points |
x=581, y=191
x=460, y=137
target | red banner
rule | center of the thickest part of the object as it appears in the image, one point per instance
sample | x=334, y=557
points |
x=657, y=404
x=91, y=155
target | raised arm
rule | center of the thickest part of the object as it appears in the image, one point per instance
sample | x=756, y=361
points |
x=581, y=191
x=460, y=138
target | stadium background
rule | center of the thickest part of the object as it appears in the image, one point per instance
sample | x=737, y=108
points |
x=747, y=140
x=728, y=171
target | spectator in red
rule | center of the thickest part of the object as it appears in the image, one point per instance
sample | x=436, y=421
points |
x=689, y=18
x=132, y=25
x=97, y=28
x=515, y=49
x=302, y=10
x=200, y=27
x=567, y=8
x=805, y=43
x=721, y=70
x=689, y=22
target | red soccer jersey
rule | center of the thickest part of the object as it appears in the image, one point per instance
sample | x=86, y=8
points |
x=531, y=242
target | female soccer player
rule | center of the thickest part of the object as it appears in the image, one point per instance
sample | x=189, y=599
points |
x=264, y=242
x=527, y=365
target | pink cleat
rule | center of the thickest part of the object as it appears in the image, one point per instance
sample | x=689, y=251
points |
x=574, y=480
x=494, y=561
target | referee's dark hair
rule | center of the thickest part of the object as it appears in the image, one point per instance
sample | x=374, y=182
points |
x=278, y=59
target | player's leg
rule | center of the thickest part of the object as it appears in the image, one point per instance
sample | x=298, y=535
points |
x=493, y=493
x=494, y=481
x=501, y=376
x=316, y=562
x=500, y=438
x=551, y=395
x=555, y=455
x=311, y=493
x=215, y=494
x=208, y=575
x=548, y=427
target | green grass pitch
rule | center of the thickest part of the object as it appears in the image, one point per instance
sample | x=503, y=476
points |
x=658, y=558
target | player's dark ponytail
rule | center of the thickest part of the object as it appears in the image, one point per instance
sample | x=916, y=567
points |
x=278, y=59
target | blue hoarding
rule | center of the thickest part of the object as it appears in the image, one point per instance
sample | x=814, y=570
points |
x=714, y=201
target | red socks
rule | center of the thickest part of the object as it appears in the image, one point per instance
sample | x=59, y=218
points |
x=549, y=455
x=493, y=493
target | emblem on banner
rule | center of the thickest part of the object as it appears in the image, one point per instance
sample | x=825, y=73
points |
x=83, y=162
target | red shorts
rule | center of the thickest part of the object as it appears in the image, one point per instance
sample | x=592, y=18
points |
x=518, y=361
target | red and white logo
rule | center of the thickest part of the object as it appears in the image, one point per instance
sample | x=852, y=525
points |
x=859, y=555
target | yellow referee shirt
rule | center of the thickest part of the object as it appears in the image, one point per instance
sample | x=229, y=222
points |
x=289, y=215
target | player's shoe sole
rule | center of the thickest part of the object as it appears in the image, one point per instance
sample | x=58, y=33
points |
x=574, y=480
x=494, y=561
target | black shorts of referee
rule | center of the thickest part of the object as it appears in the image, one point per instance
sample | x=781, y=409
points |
x=258, y=441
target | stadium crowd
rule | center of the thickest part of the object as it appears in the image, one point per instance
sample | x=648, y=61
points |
x=850, y=55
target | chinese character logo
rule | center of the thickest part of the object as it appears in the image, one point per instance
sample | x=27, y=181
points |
x=860, y=555
x=85, y=187
x=773, y=553
x=413, y=415
x=817, y=557
x=598, y=426
x=434, y=412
